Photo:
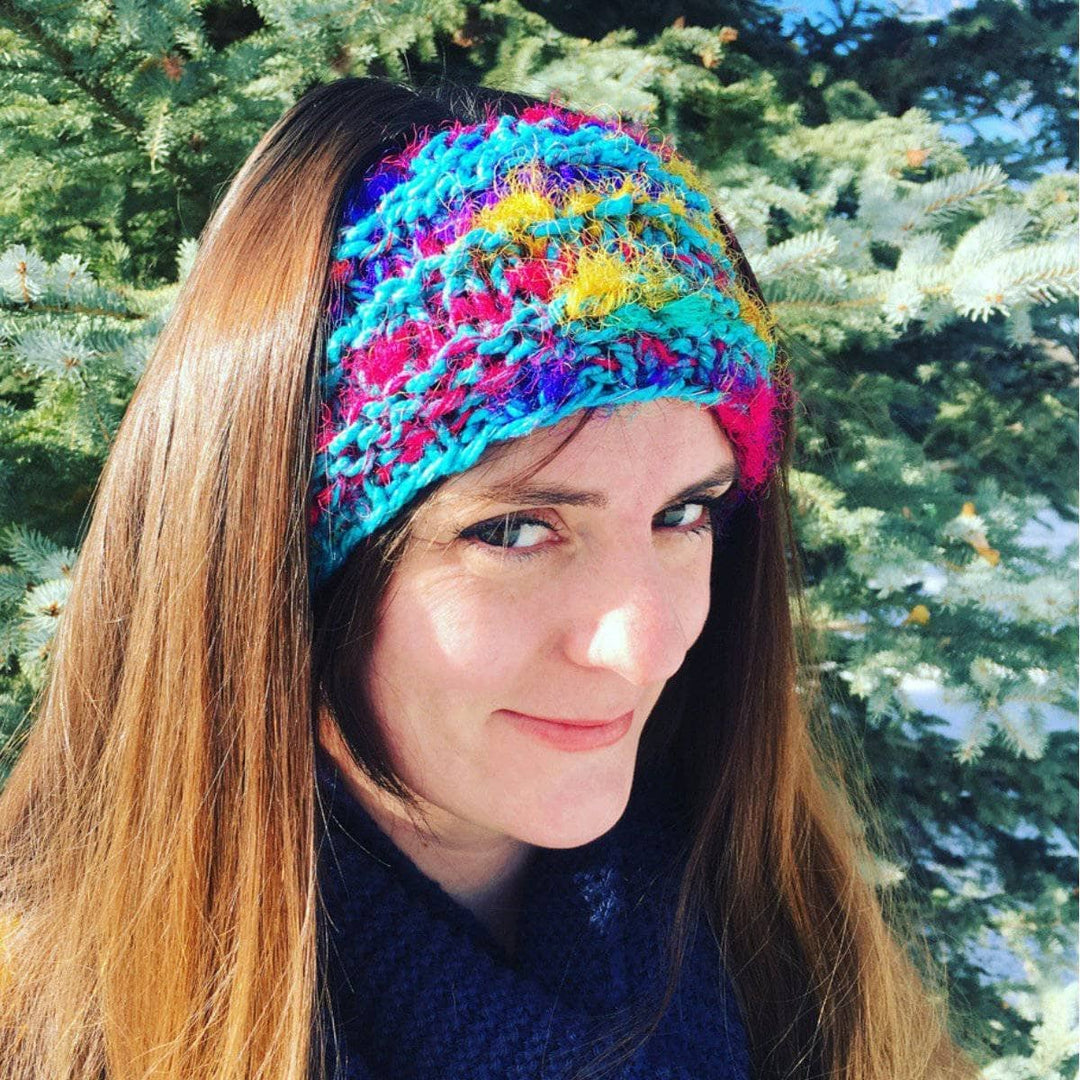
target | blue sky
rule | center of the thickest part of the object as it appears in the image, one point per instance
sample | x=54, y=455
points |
x=911, y=9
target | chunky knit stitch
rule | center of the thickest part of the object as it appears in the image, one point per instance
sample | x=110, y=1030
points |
x=421, y=991
x=493, y=278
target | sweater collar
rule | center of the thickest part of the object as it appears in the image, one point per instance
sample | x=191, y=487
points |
x=421, y=988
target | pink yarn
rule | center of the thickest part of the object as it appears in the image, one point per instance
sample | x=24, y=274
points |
x=746, y=419
x=532, y=276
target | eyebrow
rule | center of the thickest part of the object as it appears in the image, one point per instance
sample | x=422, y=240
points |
x=524, y=494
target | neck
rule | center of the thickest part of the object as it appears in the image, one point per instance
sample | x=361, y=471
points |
x=483, y=871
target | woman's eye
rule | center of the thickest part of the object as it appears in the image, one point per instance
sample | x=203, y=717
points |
x=523, y=536
x=509, y=533
x=687, y=516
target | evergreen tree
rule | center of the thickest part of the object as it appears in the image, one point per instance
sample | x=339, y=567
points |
x=925, y=299
x=994, y=59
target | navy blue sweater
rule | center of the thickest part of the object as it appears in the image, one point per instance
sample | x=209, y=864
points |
x=420, y=989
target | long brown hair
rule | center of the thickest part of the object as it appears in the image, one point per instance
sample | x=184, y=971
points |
x=157, y=832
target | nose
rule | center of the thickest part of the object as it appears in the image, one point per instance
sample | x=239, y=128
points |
x=630, y=618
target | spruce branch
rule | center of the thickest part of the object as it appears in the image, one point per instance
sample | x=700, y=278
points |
x=30, y=286
x=69, y=67
x=90, y=402
x=930, y=203
x=797, y=255
x=82, y=309
x=923, y=252
x=1045, y=272
x=996, y=233
x=14, y=581
x=36, y=554
x=156, y=137
x=847, y=304
x=1041, y=273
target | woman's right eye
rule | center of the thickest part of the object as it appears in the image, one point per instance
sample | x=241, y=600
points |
x=520, y=536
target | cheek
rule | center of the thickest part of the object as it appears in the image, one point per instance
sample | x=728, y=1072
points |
x=442, y=638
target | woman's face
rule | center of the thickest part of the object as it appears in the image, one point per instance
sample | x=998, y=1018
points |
x=579, y=605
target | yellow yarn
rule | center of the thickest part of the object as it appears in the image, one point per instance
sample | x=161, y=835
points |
x=603, y=281
x=658, y=285
x=673, y=203
x=717, y=237
x=680, y=167
x=600, y=283
x=523, y=205
x=752, y=312
x=580, y=201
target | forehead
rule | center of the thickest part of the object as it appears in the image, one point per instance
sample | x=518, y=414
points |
x=667, y=442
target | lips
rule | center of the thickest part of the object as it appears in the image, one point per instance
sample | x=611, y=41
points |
x=576, y=723
x=572, y=735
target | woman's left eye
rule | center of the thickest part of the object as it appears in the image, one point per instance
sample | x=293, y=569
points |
x=689, y=517
x=521, y=536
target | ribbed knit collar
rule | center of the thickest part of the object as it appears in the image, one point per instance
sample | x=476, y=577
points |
x=422, y=991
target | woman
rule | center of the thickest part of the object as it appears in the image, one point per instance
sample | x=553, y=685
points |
x=425, y=704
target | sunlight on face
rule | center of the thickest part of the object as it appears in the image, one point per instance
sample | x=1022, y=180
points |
x=549, y=603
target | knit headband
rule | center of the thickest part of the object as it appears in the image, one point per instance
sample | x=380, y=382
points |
x=493, y=278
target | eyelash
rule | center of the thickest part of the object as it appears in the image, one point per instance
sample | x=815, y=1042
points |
x=717, y=508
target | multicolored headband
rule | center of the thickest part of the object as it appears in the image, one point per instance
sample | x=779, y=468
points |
x=493, y=278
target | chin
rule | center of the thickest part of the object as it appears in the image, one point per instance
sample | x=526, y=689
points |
x=572, y=823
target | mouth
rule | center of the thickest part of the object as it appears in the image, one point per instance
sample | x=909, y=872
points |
x=575, y=734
